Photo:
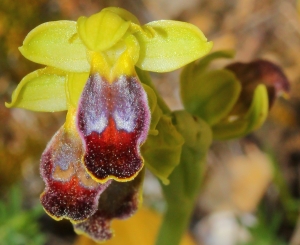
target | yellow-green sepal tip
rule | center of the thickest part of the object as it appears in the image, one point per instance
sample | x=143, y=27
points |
x=41, y=90
x=167, y=45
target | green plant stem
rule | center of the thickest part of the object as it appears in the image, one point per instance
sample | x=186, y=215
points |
x=174, y=226
x=186, y=179
x=180, y=205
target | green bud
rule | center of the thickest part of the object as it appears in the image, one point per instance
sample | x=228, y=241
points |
x=161, y=152
x=241, y=124
x=198, y=137
x=209, y=94
x=262, y=82
x=259, y=72
x=234, y=101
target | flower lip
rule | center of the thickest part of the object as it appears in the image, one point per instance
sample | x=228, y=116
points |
x=70, y=193
x=113, y=120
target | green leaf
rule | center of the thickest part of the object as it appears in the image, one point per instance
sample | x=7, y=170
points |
x=101, y=31
x=41, y=90
x=56, y=44
x=238, y=126
x=209, y=95
x=162, y=152
x=168, y=45
x=186, y=179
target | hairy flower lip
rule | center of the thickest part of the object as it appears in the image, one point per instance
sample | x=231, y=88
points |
x=69, y=192
x=113, y=120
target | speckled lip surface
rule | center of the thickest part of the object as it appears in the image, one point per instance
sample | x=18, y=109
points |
x=113, y=120
x=70, y=192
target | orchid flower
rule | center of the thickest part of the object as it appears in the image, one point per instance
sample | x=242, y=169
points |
x=93, y=166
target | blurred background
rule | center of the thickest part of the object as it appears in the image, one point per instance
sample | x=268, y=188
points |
x=251, y=191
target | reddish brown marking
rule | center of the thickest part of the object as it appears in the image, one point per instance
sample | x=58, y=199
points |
x=66, y=198
x=112, y=152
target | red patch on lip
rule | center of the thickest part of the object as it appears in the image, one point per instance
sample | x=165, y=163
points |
x=113, y=151
x=113, y=120
x=70, y=193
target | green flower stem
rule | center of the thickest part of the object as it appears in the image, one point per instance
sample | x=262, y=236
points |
x=180, y=205
x=146, y=79
x=186, y=179
x=174, y=224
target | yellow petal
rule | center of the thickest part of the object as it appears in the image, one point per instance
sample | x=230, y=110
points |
x=41, y=90
x=75, y=85
x=166, y=45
